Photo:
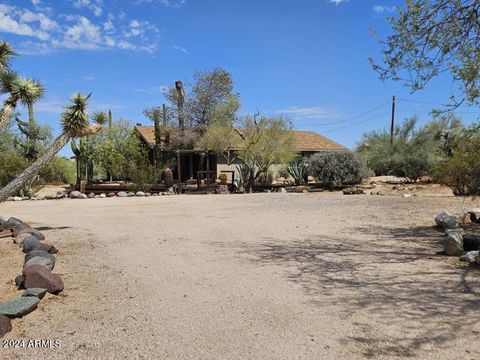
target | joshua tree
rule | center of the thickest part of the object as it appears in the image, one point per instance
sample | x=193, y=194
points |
x=6, y=53
x=29, y=91
x=75, y=123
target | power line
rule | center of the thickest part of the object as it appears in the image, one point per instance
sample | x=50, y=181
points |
x=353, y=117
x=356, y=123
x=434, y=103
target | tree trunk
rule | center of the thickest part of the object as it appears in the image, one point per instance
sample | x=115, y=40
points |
x=5, y=115
x=31, y=116
x=34, y=169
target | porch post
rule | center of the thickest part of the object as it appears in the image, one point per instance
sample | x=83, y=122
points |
x=179, y=173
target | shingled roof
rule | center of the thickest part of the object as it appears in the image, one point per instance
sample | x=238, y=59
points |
x=303, y=140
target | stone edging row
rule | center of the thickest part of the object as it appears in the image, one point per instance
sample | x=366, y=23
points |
x=36, y=278
x=457, y=242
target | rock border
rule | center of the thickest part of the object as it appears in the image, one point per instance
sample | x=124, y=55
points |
x=36, y=278
x=456, y=242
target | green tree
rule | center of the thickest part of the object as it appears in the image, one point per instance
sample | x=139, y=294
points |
x=75, y=123
x=210, y=91
x=434, y=37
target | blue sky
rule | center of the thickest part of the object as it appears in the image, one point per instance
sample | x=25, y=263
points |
x=305, y=59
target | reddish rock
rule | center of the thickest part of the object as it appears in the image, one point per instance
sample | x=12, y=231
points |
x=5, y=325
x=38, y=276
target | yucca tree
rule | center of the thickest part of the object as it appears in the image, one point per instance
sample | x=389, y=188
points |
x=6, y=54
x=75, y=123
x=6, y=80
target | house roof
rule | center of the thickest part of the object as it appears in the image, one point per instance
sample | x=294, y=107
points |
x=303, y=140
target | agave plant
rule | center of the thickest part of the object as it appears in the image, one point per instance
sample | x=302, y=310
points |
x=298, y=170
x=244, y=173
x=75, y=123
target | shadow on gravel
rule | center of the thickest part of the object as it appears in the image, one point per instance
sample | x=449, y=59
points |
x=47, y=228
x=418, y=299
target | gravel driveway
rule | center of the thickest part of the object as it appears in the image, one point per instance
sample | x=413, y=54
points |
x=263, y=276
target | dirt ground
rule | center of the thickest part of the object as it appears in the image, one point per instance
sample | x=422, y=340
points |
x=262, y=276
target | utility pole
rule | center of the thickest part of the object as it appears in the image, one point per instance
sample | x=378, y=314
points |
x=392, y=126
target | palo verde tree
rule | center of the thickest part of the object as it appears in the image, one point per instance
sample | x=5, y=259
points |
x=75, y=123
x=434, y=37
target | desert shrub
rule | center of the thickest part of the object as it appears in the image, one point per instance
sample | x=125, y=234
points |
x=266, y=178
x=412, y=153
x=298, y=170
x=337, y=168
x=461, y=170
x=59, y=171
x=10, y=166
x=223, y=178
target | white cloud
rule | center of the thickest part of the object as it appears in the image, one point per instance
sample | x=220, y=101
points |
x=45, y=23
x=152, y=89
x=337, y=2
x=380, y=9
x=36, y=2
x=52, y=32
x=181, y=49
x=312, y=112
x=96, y=6
x=10, y=25
x=176, y=4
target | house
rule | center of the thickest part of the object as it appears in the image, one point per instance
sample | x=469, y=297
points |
x=306, y=143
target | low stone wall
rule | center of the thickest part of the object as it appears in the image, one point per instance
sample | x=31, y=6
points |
x=36, y=278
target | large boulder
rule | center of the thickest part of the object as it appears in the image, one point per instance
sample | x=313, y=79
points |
x=139, y=193
x=38, y=260
x=40, y=253
x=5, y=325
x=19, y=307
x=75, y=194
x=447, y=221
x=10, y=223
x=470, y=256
x=37, y=276
x=22, y=237
x=453, y=244
x=21, y=229
x=32, y=243
x=29, y=244
x=122, y=194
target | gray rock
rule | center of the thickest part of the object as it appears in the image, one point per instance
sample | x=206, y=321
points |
x=97, y=196
x=29, y=244
x=282, y=190
x=60, y=195
x=40, y=253
x=28, y=230
x=470, y=256
x=148, y=194
x=131, y=194
x=22, y=237
x=447, y=221
x=10, y=223
x=83, y=196
x=75, y=194
x=17, y=198
x=155, y=194
x=20, y=281
x=139, y=193
x=91, y=195
x=102, y=195
x=36, y=292
x=5, y=325
x=19, y=307
x=453, y=245
x=37, y=260
x=122, y=194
